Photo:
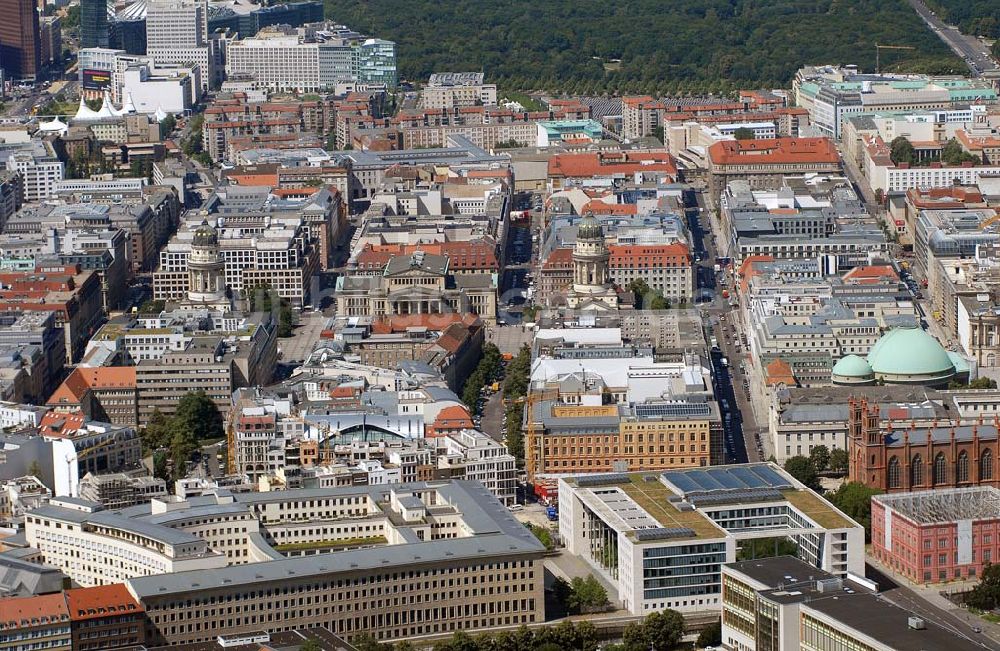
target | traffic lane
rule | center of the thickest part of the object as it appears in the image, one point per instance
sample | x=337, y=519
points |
x=729, y=410
x=908, y=600
x=737, y=381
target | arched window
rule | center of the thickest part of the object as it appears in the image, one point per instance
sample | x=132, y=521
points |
x=916, y=471
x=940, y=469
x=962, y=470
x=894, y=473
x=986, y=465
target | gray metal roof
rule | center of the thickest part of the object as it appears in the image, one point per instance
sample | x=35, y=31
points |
x=157, y=532
x=496, y=533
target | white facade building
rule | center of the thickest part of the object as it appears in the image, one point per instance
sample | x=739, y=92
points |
x=280, y=63
x=172, y=92
x=40, y=168
x=662, y=537
x=177, y=33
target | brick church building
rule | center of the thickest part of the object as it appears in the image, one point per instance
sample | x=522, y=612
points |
x=902, y=456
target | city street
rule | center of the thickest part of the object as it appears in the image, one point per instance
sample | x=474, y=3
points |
x=740, y=423
x=930, y=605
x=973, y=51
x=296, y=348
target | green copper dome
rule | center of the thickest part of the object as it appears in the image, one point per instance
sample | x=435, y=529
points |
x=853, y=366
x=589, y=229
x=912, y=352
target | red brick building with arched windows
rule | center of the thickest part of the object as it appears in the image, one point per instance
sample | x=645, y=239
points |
x=903, y=457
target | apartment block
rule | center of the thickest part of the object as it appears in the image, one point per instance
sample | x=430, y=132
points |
x=446, y=90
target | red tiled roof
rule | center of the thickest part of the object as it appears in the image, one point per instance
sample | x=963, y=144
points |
x=653, y=256
x=774, y=150
x=779, y=372
x=434, y=321
x=60, y=425
x=101, y=601
x=558, y=259
x=453, y=337
x=599, y=207
x=18, y=612
x=475, y=255
x=592, y=164
x=76, y=384
x=870, y=274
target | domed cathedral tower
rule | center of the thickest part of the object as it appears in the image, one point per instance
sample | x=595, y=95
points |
x=206, y=271
x=591, y=287
x=865, y=444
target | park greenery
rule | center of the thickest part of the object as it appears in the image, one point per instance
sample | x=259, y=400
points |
x=743, y=133
x=979, y=17
x=514, y=390
x=544, y=536
x=803, y=469
x=901, y=151
x=647, y=298
x=659, y=631
x=978, y=383
x=488, y=371
x=710, y=636
x=646, y=46
x=175, y=438
x=766, y=548
x=261, y=299
x=986, y=595
x=580, y=595
x=855, y=500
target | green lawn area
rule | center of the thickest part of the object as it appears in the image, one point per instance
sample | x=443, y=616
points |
x=652, y=496
x=525, y=100
x=816, y=509
x=331, y=544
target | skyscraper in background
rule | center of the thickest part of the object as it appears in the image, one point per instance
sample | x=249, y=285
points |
x=19, y=47
x=95, y=23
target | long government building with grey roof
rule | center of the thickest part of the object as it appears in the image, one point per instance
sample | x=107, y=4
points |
x=395, y=561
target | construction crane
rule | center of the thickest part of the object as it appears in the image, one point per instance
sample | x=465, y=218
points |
x=879, y=48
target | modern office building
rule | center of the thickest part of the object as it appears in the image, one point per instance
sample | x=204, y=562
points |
x=253, y=251
x=785, y=604
x=662, y=538
x=20, y=50
x=177, y=33
x=282, y=60
x=832, y=94
x=96, y=17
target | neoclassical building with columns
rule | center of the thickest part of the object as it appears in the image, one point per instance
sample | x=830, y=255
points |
x=418, y=283
x=901, y=456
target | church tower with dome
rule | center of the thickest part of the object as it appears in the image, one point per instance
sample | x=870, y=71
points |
x=591, y=288
x=206, y=271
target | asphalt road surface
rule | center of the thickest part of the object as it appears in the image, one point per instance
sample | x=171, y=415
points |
x=970, y=48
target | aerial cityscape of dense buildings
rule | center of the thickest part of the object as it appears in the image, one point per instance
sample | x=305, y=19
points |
x=301, y=350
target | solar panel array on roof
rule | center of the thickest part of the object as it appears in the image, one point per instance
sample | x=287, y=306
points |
x=736, y=496
x=673, y=409
x=708, y=480
x=663, y=533
x=602, y=480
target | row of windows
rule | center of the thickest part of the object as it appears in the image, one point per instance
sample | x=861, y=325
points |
x=939, y=469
